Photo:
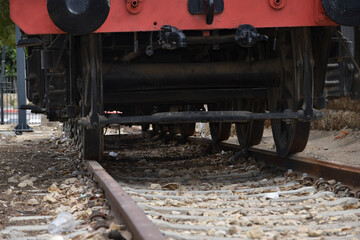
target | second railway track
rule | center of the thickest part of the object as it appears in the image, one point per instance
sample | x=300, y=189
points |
x=188, y=192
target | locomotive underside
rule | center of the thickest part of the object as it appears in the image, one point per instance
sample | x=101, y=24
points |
x=172, y=79
x=273, y=76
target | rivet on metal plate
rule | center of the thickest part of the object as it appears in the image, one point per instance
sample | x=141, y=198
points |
x=277, y=4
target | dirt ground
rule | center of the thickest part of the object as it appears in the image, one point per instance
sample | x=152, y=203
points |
x=28, y=154
x=44, y=161
x=41, y=175
x=341, y=146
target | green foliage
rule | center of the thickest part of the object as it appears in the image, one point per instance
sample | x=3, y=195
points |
x=7, y=27
x=10, y=61
x=7, y=37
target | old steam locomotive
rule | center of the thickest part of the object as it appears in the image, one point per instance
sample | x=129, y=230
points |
x=159, y=62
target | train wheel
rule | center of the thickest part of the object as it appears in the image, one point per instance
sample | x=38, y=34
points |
x=145, y=127
x=187, y=129
x=93, y=144
x=163, y=130
x=173, y=129
x=250, y=133
x=156, y=129
x=219, y=131
x=291, y=136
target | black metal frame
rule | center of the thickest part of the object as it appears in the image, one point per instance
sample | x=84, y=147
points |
x=97, y=100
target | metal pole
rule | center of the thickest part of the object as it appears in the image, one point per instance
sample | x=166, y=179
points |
x=357, y=44
x=2, y=82
x=21, y=93
x=355, y=88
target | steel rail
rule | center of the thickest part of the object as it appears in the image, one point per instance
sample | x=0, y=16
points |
x=347, y=174
x=134, y=217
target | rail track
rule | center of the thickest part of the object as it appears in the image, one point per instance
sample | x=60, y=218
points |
x=188, y=192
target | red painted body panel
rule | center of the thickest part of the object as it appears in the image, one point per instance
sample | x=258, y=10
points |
x=32, y=17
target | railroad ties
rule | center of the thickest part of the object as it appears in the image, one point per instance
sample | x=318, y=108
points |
x=190, y=193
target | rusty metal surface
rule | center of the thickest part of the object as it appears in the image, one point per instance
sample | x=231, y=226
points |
x=346, y=174
x=134, y=218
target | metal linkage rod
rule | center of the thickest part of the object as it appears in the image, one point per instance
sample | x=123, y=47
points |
x=191, y=117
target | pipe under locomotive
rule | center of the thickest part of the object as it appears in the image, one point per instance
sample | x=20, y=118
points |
x=159, y=62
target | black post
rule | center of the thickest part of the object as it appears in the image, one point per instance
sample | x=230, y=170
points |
x=2, y=82
x=21, y=93
x=357, y=44
x=355, y=88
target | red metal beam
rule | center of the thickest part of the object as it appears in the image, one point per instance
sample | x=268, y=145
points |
x=32, y=16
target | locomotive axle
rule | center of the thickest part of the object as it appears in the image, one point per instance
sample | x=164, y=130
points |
x=188, y=96
x=129, y=77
